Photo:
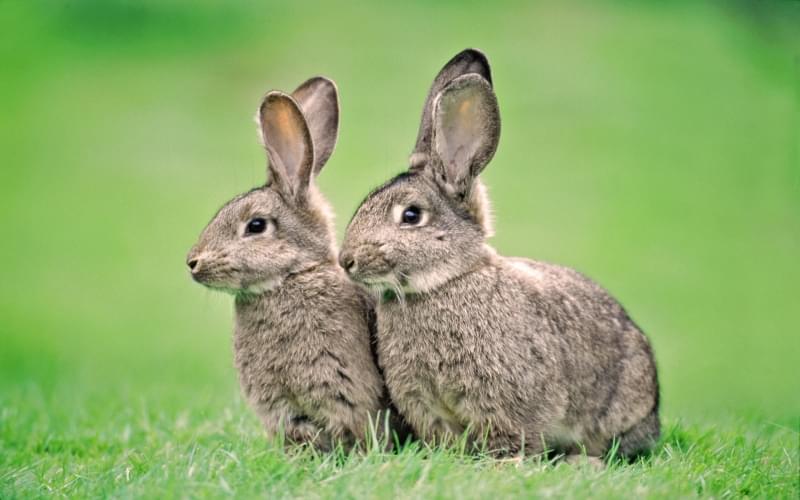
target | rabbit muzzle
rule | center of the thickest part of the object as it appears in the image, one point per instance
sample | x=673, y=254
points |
x=365, y=263
x=212, y=270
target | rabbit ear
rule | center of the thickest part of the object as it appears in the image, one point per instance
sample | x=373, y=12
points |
x=466, y=61
x=466, y=130
x=319, y=100
x=288, y=141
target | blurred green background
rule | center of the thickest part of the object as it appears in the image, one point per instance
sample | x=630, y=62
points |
x=654, y=147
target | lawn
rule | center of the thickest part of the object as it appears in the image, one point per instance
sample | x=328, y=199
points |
x=654, y=147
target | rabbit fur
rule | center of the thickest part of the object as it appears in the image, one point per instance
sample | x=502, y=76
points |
x=302, y=338
x=522, y=356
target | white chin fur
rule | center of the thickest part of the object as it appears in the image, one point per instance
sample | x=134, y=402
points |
x=406, y=284
x=223, y=289
x=253, y=289
x=427, y=281
x=263, y=286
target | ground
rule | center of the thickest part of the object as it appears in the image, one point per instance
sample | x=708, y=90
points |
x=654, y=147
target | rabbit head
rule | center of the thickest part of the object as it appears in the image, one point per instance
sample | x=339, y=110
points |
x=260, y=237
x=428, y=225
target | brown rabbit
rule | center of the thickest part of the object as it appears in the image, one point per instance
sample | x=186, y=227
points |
x=302, y=336
x=523, y=354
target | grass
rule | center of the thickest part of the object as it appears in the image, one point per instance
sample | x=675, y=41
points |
x=146, y=448
x=654, y=147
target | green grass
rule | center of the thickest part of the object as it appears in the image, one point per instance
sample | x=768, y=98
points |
x=143, y=451
x=654, y=147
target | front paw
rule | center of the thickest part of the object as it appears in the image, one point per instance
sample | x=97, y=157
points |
x=301, y=430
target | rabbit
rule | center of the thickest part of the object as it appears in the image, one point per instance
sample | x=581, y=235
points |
x=522, y=357
x=302, y=339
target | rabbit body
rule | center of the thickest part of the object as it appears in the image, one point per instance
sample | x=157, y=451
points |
x=520, y=353
x=303, y=334
x=523, y=352
x=304, y=357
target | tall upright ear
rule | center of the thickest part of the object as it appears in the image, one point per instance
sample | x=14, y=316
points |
x=319, y=100
x=288, y=142
x=466, y=130
x=466, y=61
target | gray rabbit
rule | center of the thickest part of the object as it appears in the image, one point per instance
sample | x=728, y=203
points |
x=525, y=355
x=302, y=338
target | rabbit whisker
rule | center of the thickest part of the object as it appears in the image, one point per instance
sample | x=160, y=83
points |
x=398, y=290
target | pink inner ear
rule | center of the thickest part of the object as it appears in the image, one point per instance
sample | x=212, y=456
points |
x=464, y=107
x=285, y=136
x=460, y=126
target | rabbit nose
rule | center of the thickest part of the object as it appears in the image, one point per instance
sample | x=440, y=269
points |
x=347, y=261
x=192, y=263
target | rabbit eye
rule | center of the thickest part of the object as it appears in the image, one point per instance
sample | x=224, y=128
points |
x=411, y=215
x=256, y=225
x=408, y=216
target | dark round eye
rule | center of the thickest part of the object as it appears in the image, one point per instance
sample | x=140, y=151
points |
x=256, y=225
x=411, y=215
